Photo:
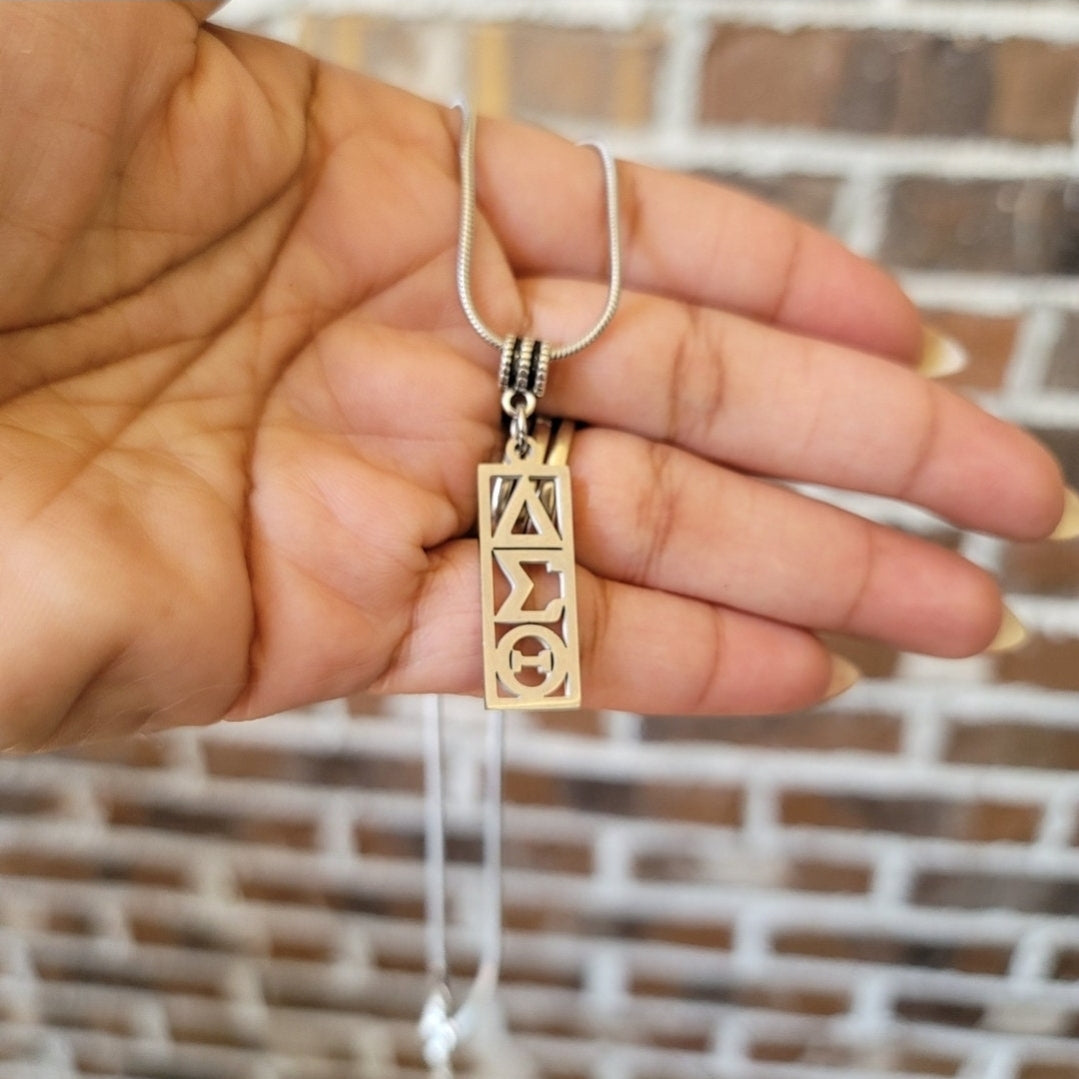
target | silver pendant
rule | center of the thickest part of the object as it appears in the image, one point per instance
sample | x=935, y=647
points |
x=528, y=581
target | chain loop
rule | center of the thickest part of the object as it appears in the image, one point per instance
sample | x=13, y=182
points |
x=467, y=233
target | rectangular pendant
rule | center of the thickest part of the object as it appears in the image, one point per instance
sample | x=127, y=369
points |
x=531, y=656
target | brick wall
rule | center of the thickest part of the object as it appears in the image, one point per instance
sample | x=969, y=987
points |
x=885, y=888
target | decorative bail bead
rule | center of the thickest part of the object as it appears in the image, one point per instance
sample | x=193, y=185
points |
x=524, y=365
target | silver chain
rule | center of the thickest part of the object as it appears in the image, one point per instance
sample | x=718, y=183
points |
x=442, y=1029
x=468, y=228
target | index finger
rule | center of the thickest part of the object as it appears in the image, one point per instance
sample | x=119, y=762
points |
x=687, y=238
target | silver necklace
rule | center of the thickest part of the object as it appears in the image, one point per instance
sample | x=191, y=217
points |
x=531, y=656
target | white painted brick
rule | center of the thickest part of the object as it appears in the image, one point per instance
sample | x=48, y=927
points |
x=741, y=882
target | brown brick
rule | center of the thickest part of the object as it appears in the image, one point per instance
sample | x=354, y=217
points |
x=81, y=1012
x=707, y=935
x=282, y=989
x=600, y=75
x=308, y=948
x=988, y=340
x=351, y=898
x=1064, y=363
x=914, y=84
x=817, y=1050
x=408, y=1059
x=582, y=722
x=564, y=1026
x=372, y=840
x=28, y=803
x=27, y=862
x=211, y=1026
x=802, y=876
x=1021, y=227
x=871, y=83
x=712, y=936
x=866, y=948
x=925, y=1062
x=338, y=769
x=970, y=821
x=96, y=1058
x=869, y=732
x=1034, y=1069
x=70, y=923
x=874, y=82
x=1066, y=968
x=939, y=1012
x=516, y=972
x=872, y=658
x=391, y=957
x=772, y=1052
x=1042, y=568
x=1045, y=661
x=808, y=197
x=141, y=751
x=1014, y=745
x=365, y=706
x=1065, y=447
x=253, y=762
x=883, y=82
x=681, y=1041
x=520, y=787
x=758, y=76
x=792, y=999
x=191, y=932
x=669, y=866
x=832, y=877
x=547, y=856
x=647, y=799
x=517, y=853
x=986, y=891
x=162, y=977
x=246, y=827
x=1035, y=87
x=725, y=991
x=717, y=806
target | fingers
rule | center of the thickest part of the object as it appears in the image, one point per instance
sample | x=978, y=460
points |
x=657, y=517
x=641, y=650
x=686, y=238
x=776, y=403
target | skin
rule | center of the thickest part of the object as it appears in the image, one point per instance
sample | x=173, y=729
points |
x=241, y=411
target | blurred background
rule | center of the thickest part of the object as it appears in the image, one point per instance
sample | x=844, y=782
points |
x=884, y=888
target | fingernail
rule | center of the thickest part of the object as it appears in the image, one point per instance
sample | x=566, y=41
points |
x=941, y=355
x=1011, y=636
x=1069, y=523
x=844, y=675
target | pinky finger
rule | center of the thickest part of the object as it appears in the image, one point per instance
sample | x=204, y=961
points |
x=641, y=650
x=655, y=652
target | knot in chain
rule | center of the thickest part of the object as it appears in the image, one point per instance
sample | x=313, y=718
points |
x=439, y=1034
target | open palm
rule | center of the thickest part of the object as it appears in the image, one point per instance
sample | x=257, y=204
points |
x=240, y=409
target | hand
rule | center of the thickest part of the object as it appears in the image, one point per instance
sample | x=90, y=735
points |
x=241, y=411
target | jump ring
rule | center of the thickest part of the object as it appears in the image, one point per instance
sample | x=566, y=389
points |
x=515, y=400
